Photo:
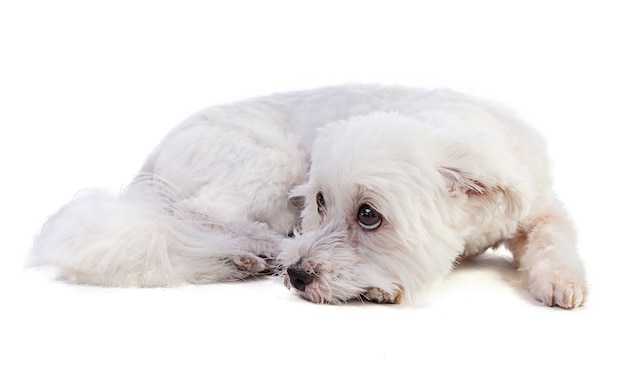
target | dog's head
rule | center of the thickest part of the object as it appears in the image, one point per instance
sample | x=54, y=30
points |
x=384, y=211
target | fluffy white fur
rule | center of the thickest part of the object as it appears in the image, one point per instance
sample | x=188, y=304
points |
x=350, y=192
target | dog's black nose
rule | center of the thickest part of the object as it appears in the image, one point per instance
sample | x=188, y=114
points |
x=299, y=277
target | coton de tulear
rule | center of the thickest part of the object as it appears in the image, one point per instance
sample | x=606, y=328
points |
x=350, y=192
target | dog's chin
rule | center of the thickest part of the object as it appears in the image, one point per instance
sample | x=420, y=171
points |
x=317, y=292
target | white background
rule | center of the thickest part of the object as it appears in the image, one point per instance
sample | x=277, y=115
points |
x=87, y=89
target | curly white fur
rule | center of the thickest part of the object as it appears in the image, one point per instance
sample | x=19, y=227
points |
x=286, y=180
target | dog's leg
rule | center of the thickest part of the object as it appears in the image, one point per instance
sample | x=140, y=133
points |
x=260, y=249
x=234, y=174
x=544, y=250
x=246, y=247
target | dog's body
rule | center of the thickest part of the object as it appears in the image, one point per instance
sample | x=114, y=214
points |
x=353, y=191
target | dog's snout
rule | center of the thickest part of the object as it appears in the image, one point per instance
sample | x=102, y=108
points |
x=299, y=277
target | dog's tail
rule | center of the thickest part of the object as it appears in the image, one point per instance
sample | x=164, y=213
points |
x=143, y=237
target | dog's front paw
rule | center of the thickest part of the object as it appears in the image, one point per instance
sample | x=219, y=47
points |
x=561, y=287
x=252, y=264
x=381, y=296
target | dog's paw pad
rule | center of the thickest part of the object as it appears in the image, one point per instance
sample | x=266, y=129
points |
x=381, y=296
x=558, y=287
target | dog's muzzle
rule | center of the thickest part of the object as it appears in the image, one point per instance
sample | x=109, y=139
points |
x=299, y=277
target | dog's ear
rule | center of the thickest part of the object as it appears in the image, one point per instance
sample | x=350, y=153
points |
x=459, y=181
x=299, y=192
x=298, y=195
x=471, y=165
x=297, y=202
x=490, y=190
x=483, y=169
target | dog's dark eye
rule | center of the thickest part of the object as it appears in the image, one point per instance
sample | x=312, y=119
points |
x=321, y=203
x=368, y=218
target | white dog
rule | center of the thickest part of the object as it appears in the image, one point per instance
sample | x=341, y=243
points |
x=353, y=192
